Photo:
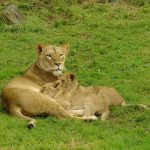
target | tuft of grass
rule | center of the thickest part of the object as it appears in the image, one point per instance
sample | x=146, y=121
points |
x=109, y=47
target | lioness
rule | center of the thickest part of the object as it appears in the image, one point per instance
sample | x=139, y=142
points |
x=84, y=101
x=21, y=96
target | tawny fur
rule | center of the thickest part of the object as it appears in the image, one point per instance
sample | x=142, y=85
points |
x=83, y=101
x=21, y=96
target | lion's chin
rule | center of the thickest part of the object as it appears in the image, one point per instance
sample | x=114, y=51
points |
x=57, y=73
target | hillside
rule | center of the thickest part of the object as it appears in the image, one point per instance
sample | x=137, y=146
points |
x=109, y=46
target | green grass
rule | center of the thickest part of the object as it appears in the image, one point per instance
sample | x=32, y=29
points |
x=109, y=47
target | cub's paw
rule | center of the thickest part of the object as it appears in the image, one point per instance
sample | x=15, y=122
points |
x=90, y=118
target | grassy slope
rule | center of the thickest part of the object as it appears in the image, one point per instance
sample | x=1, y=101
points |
x=109, y=46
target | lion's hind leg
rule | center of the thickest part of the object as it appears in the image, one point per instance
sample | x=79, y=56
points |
x=16, y=111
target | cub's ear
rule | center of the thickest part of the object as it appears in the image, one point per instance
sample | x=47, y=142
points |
x=43, y=89
x=65, y=48
x=56, y=84
x=72, y=76
x=40, y=48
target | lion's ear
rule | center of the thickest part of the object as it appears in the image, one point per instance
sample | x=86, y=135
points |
x=40, y=48
x=65, y=48
x=72, y=76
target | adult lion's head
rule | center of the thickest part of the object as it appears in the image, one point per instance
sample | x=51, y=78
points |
x=51, y=58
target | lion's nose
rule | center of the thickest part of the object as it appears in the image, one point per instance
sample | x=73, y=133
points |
x=57, y=64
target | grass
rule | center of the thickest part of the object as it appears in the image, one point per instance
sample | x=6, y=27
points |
x=109, y=47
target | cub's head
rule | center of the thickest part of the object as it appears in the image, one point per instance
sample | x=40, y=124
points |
x=52, y=89
x=51, y=58
x=68, y=82
x=64, y=85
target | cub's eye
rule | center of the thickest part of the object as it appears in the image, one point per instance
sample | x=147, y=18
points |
x=61, y=54
x=49, y=55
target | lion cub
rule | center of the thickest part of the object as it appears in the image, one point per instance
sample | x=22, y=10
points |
x=82, y=101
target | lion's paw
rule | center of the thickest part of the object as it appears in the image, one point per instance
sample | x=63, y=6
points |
x=90, y=118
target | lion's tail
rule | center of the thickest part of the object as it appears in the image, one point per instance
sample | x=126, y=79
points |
x=138, y=105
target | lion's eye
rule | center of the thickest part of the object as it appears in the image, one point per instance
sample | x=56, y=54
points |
x=61, y=54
